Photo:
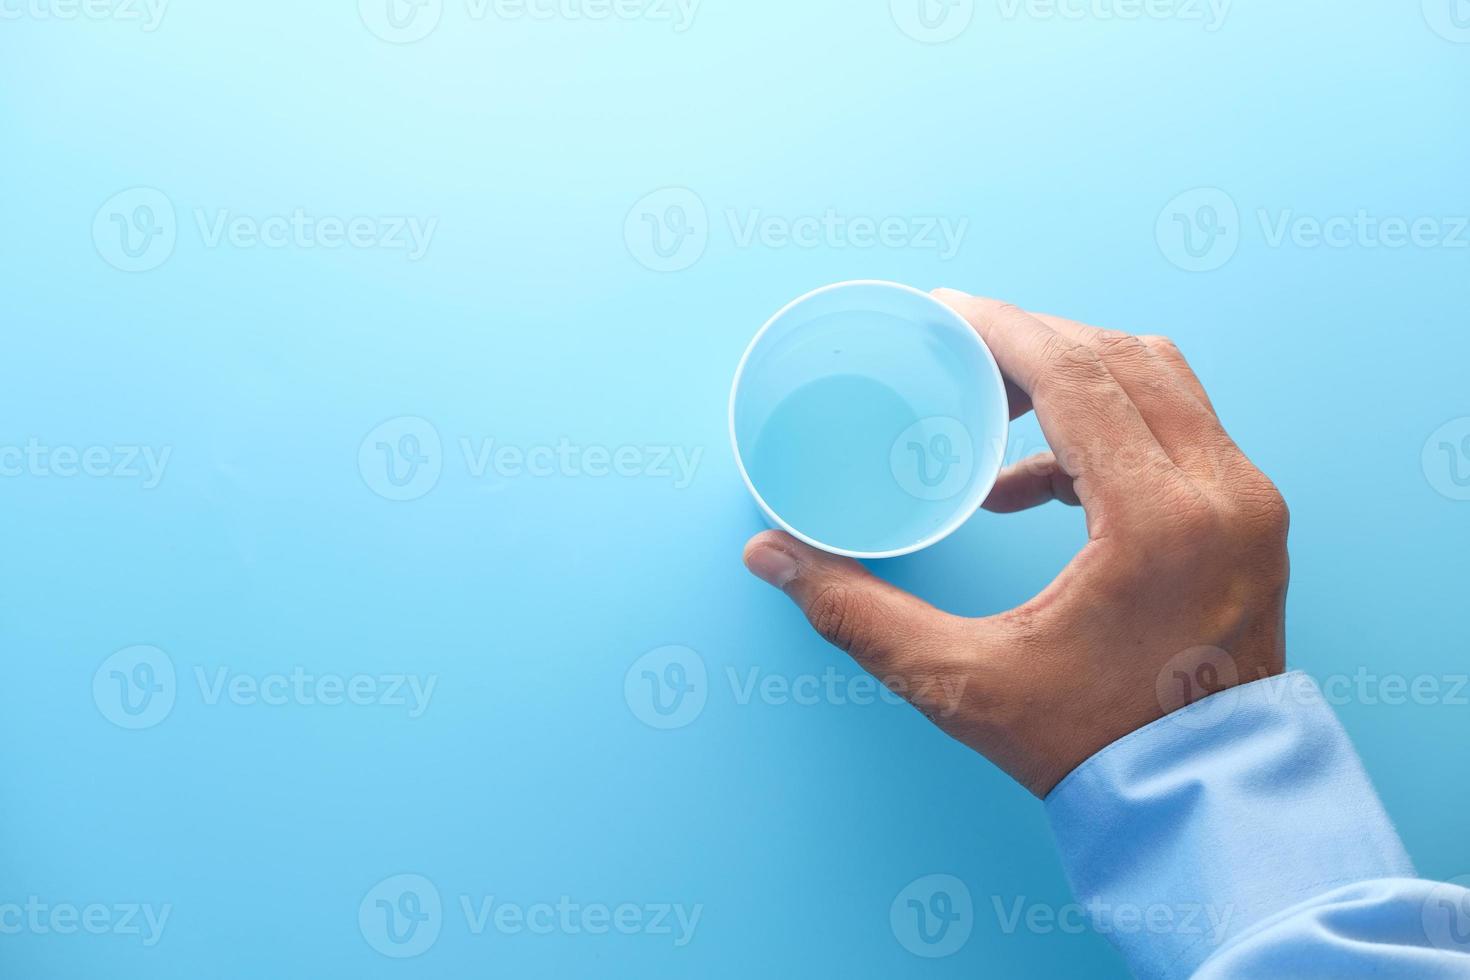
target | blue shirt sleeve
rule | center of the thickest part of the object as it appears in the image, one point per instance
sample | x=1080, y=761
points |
x=1240, y=837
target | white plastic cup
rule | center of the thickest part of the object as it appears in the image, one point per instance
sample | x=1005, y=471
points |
x=868, y=419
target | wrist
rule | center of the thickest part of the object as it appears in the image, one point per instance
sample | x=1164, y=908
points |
x=1089, y=711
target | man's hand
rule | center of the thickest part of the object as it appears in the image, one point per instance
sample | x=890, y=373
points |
x=1180, y=591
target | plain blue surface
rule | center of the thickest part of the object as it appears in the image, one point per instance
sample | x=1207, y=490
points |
x=546, y=151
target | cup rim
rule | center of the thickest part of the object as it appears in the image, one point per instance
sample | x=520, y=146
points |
x=959, y=518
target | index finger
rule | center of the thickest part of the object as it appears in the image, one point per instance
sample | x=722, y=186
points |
x=1087, y=417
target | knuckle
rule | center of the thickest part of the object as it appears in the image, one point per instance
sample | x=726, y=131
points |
x=1278, y=512
x=1069, y=365
x=1144, y=367
x=1024, y=626
x=1265, y=507
x=1163, y=346
x=1114, y=344
x=1001, y=310
x=843, y=618
x=1261, y=521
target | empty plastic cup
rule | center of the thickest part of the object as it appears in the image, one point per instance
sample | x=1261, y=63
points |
x=868, y=419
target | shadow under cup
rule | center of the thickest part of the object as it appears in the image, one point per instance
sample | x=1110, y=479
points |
x=869, y=419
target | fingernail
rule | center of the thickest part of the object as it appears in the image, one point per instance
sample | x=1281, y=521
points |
x=771, y=565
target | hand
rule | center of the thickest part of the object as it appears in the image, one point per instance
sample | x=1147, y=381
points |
x=1179, y=592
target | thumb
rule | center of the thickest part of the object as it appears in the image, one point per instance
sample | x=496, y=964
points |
x=884, y=628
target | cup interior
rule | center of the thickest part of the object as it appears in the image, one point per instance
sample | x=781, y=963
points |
x=869, y=419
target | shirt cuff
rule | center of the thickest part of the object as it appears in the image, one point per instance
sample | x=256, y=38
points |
x=1187, y=832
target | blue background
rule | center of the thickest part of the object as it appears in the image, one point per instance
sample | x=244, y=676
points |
x=533, y=318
